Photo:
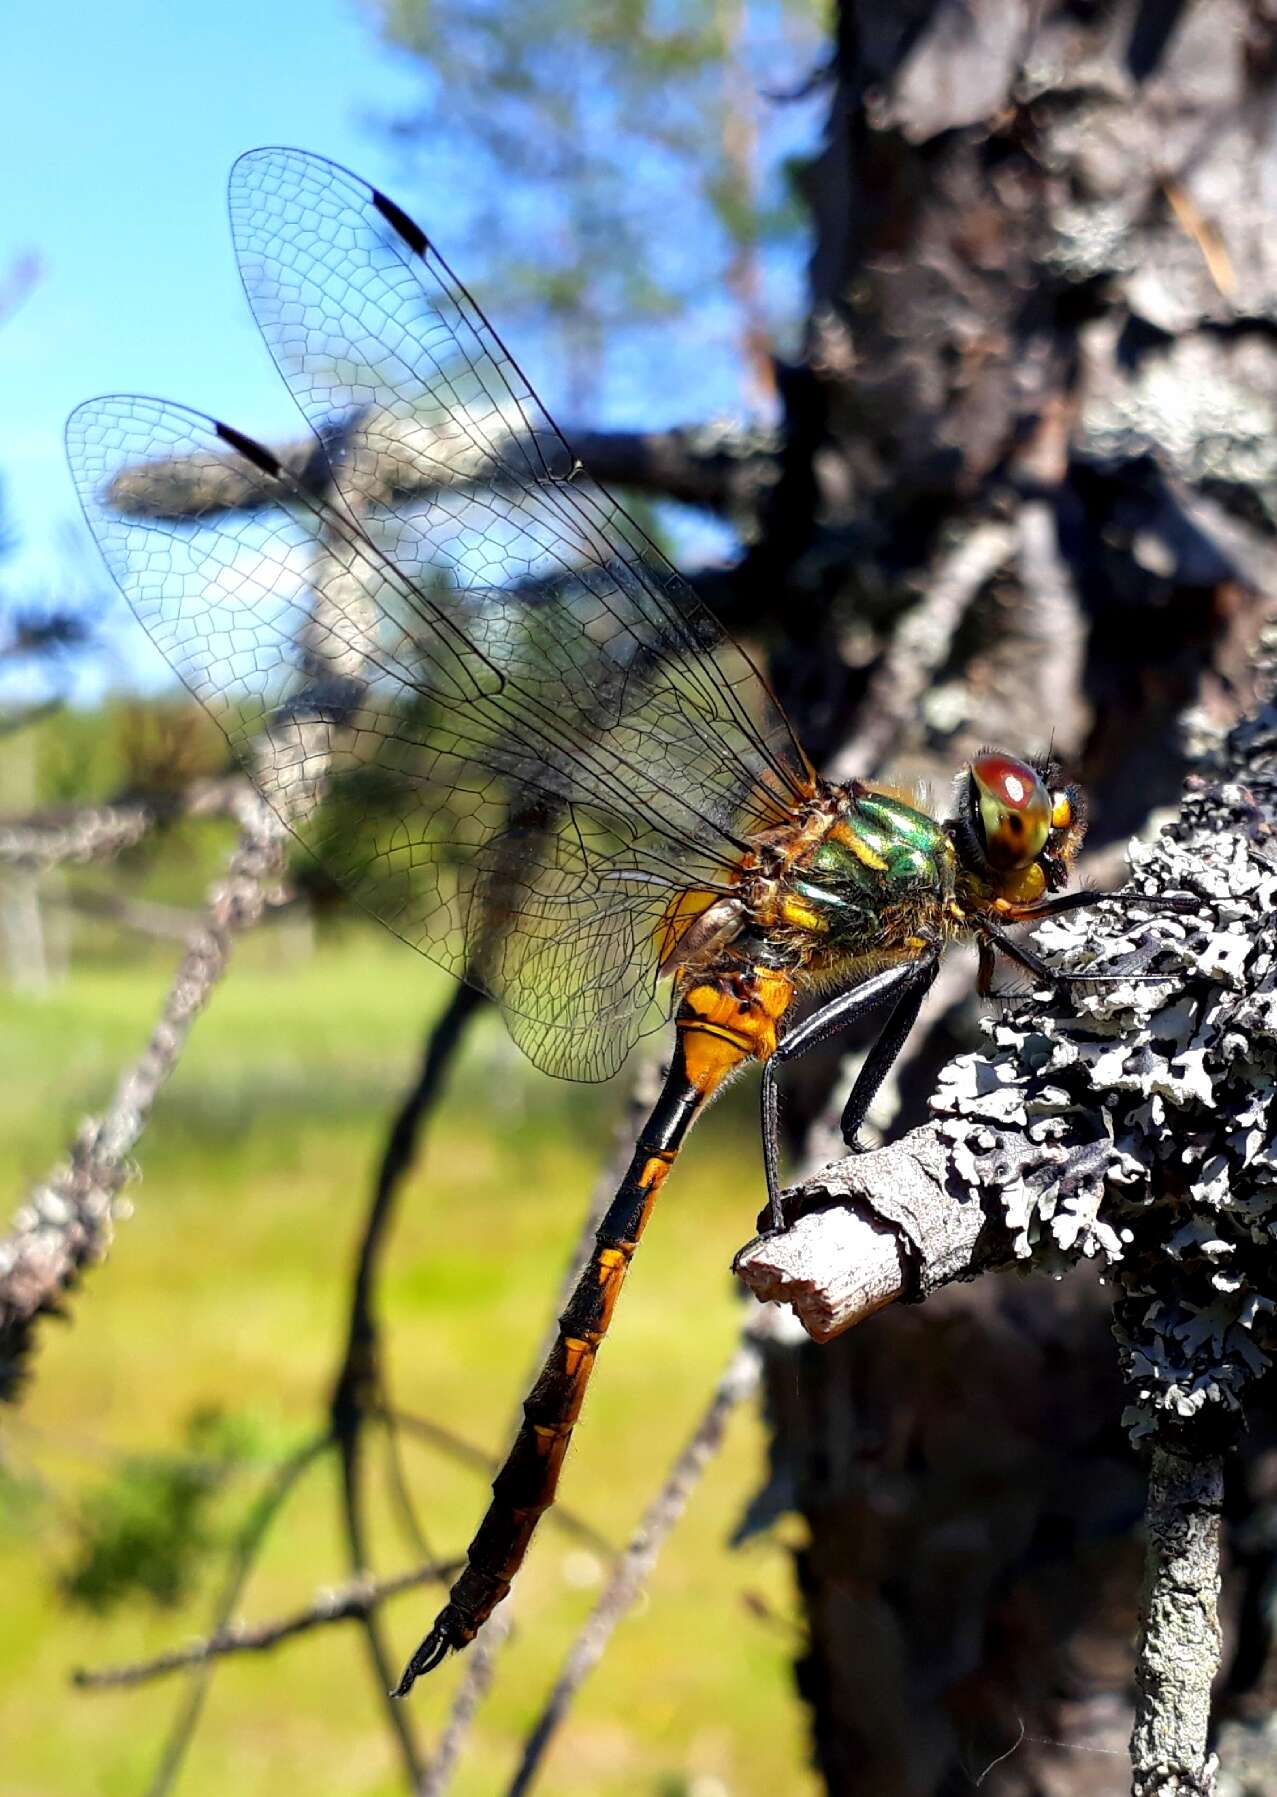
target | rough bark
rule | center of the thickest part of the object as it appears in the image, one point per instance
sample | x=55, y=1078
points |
x=1179, y=1641
x=1041, y=319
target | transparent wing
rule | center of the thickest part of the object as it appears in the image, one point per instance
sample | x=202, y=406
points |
x=527, y=735
x=361, y=313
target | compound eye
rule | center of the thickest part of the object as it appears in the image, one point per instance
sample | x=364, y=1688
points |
x=1014, y=808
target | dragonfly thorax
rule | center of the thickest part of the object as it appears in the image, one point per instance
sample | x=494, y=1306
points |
x=858, y=870
x=880, y=871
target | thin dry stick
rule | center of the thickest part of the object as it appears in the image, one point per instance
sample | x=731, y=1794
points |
x=100, y=832
x=400, y=1489
x=738, y=1382
x=349, y=1445
x=252, y=1536
x=1179, y=1635
x=93, y=835
x=358, y=1388
x=65, y=1224
x=167, y=923
x=480, y=1670
x=343, y=1604
x=560, y=1516
x=482, y=1656
x=919, y=646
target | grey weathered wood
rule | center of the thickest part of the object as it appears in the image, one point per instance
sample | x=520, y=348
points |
x=1180, y=1640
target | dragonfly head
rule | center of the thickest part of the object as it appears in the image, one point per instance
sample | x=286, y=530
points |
x=1016, y=828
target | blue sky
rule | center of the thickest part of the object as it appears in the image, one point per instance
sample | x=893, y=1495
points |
x=118, y=128
x=119, y=125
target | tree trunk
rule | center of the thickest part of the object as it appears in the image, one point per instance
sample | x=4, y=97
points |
x=1031, y=448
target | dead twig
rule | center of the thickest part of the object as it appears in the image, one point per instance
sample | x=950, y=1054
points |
x=358, y=1394
x=342, y=1604
x=65, y=1224
x=481, y=1665
x=100, y=832
x=561, y=1516
x=921, y=643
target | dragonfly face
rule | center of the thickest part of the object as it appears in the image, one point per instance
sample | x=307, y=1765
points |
x=546, y=766
x=1017, y=831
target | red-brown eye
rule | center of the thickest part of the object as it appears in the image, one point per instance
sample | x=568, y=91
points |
x=1014, y=808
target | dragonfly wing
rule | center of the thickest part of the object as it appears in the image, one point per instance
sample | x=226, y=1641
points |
x=528, y=735
x=453, y=806
x=362, y=314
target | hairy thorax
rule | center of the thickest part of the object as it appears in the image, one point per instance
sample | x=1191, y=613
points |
x=861, y=872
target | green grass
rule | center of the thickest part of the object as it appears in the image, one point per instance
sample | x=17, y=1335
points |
x=226, y=1289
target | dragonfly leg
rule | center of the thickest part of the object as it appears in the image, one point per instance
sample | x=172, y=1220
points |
x=882, y=1056
x=898, y=983
x=1081, y=901
x=1015, y=951
x=1042, y=970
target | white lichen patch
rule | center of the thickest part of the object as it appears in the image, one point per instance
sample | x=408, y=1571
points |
x=1134, y=1120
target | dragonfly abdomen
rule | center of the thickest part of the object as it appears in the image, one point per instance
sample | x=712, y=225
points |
x=722, y=1022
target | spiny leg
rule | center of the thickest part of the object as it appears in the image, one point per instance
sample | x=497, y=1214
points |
x=991, y=932
x=1041, y=909
x=883, y=1055
x=891, y=983
x=1015, y=951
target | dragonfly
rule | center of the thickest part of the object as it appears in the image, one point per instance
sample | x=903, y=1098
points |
x=479, y=694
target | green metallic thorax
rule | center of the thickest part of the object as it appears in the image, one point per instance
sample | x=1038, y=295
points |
x=882, y=871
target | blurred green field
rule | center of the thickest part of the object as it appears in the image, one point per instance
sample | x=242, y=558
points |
x=227, y=1289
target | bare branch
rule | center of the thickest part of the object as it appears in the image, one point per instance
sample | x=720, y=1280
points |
x=65, y=1224
x=345, y=1603
x=147, y=917
x=838, y=1263
x=921, y=643
x=474, y=1687
x=102, y=831
x=358, y=1394
x=561, y=1516
x=720, y=466
x=1179, y=1641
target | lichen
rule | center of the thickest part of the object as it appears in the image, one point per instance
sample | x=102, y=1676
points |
x=1135, y=1121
